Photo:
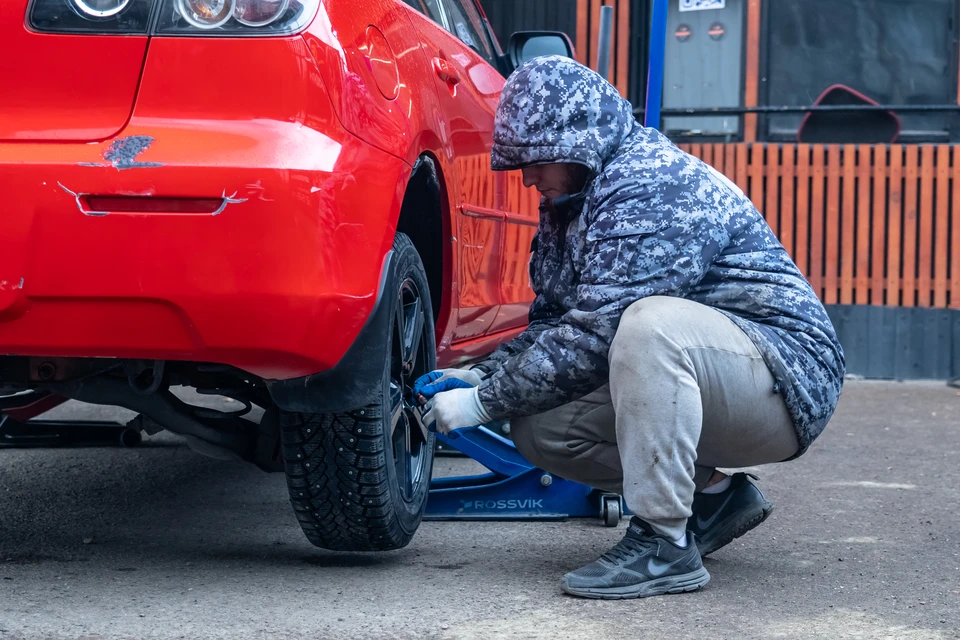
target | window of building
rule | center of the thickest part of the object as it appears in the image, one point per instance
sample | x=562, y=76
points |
x=894, y=52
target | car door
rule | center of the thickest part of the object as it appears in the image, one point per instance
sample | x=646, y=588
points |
x=519, y=205
x=469, y=88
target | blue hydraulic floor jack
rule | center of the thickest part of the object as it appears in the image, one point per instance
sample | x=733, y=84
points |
x=515, y=489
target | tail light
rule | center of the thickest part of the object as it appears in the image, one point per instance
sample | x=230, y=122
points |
x=90, y=16
x=205, y=14
x=259, y=13
x=100, y=8
x=174, y=17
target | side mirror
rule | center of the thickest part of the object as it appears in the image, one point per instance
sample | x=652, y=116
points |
x=526, y=45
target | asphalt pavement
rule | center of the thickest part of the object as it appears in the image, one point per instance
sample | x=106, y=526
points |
x=159, y=542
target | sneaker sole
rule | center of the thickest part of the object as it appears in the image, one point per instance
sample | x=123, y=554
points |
x=668, y=584
x=738, y=528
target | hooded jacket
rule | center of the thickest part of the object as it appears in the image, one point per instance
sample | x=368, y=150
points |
x=651, y=221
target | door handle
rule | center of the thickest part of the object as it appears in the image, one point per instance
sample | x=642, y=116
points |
x=445, y=71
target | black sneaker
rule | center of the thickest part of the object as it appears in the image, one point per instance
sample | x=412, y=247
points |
x=642, y=564
x=719, y=518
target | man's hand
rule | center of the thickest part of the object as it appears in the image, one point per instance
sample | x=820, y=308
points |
x=455, y=409
x=453, y=400
x=434, y=382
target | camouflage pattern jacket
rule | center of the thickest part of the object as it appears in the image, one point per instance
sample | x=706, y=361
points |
x=652, y=220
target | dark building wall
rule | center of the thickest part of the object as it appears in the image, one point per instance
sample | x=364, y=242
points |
x=898, y=342
x=508, y=16
x=639, y=52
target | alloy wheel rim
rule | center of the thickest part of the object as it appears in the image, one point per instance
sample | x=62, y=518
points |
x=408, y=361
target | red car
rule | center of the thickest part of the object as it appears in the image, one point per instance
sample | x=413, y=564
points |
x=284, y=202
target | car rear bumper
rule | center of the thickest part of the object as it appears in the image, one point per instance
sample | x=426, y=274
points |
x=279, y=282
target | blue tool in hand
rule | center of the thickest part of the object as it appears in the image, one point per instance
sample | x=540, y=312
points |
x=429, y=385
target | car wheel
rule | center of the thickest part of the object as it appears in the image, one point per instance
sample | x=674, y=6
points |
x=358, y=480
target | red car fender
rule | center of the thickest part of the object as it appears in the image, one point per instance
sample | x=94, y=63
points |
x=343, y=40
x=406, y=120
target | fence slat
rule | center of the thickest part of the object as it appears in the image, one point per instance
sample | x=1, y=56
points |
x=718, y=157
x=594, y=33
x=742, y=178
x=803, y=208
x=894, y=243
x=623, y=46
x=786, y=198
x=706, y=154
x=771, y=209
x=730, y=162
x=925, y=255
x=583, y=45
x=757, y=158
x=847, y=217
x=751, y=76
x=955, y=234
x=832, y=227
x=817, y=207
x=877, y=223
x=909, y=260
x=941, y=217
x=864, y=173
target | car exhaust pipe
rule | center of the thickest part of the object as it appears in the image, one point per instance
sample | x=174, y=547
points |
x=147, y=381
x=227, y=438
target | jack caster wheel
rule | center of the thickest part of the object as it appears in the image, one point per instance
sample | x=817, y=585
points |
x=610, y=510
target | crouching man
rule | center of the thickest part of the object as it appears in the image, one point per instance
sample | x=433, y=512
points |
x=671, y=334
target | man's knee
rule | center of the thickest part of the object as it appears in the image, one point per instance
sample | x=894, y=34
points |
x=645, y=325
x=651, y=315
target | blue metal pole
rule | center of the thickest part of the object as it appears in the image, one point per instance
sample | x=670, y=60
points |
x=658, y=45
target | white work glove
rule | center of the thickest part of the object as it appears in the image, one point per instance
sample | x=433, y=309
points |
x=455, y=409
x=469, y=376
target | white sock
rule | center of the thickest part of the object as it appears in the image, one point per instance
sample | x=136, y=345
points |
x=720, y=487
x=681, y=541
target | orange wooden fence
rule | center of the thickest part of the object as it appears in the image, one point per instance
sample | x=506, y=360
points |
x=876, y=225
x=588, y=28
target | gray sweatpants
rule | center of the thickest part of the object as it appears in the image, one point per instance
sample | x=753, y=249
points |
x=688, y=392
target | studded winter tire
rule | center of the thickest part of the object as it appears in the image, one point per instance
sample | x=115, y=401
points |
x=358, y=480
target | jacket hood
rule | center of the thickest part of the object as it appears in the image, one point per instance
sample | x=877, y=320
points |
x=554, y=109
